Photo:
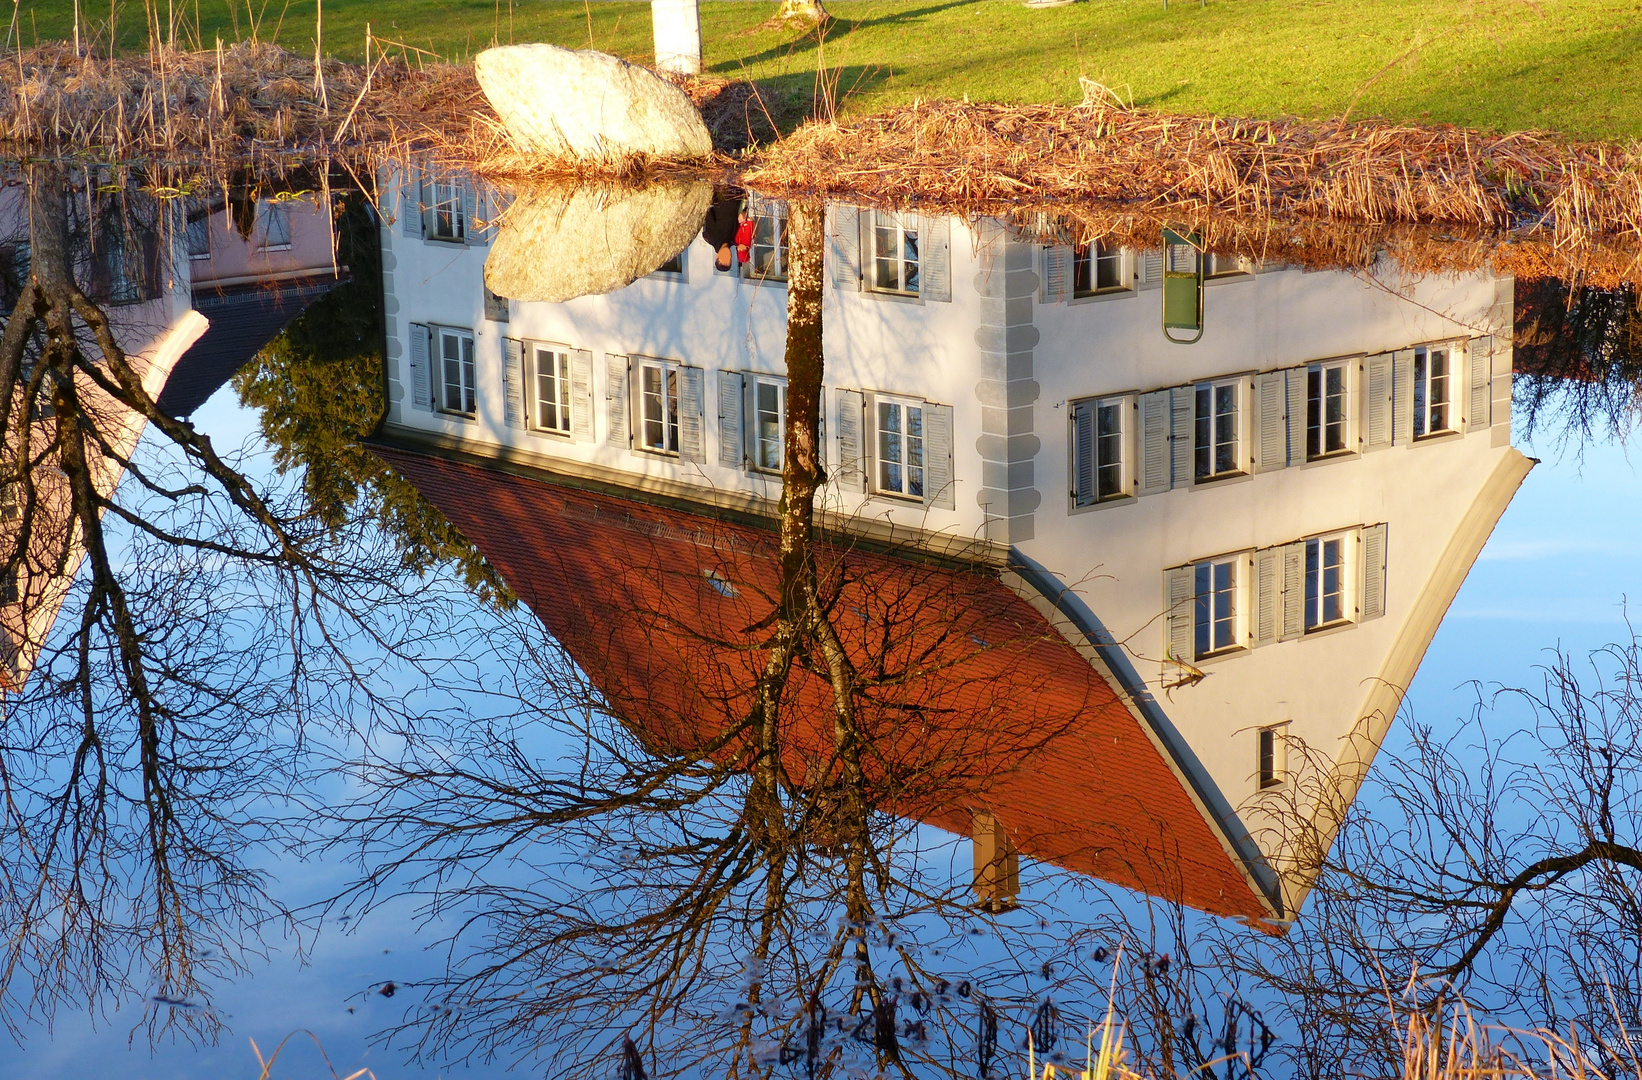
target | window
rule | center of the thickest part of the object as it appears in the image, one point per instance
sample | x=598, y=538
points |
x=446, y=218
x=901, y=447
x=1273, y=755
x=658, y=406
x=1325, y=582
x=198, y=236
x=1097, y=268
x=1325, y=410
x=276, y=228
x=1215, y=619
x=552, y=389
x=1098, y=438
x=894, y=253
x=456, y=372
x=767, y=258
x=9, y=592
x=1219, y=266
x=675, y=265
x=769, y=423
x=1216, y=442
x=1433, y=412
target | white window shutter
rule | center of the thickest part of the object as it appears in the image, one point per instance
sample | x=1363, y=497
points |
x=1268, y=565
x=1402, y=397
x=421, y=380
x=1480, y=354
x=616, y=400
x=1180, y=600
x=1271, y=406
x=1372, y=602
x=692, y=394
x=851, y=464
x=939, y=485
x=935, y=259
x=1083, y=453
x=731, y=453
x=1377, y=409
x=846, y=247
x=1297, y=415
x=410, y=197
x=1057, y=274
x=1183, y=412
x=581, y=395
x=513, y=381
x=1154, y=443
x=1294, y=591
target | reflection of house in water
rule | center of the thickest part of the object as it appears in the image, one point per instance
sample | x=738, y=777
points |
x=190, y=300
x=1203, y=560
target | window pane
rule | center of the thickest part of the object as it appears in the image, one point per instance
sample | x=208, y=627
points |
x=450, y=351
x=769, y=425
x=909, y=260
x=1334, y=434
x=1224, y=608
x=1438, y=394
x=1333, y=594
x=915, y=450
x=467, y=375
x=1202, y=620
x=1109, y=451
x=886, y=263
x=889, y=446
x=672, y=409
x=1109, y=267
x=1225, y=428
x=1205, y=433
x=655, y=419
x=1311, y=583
x=1420, y=369
x=1314, y=413
x=1083, y=271
x=547, y=391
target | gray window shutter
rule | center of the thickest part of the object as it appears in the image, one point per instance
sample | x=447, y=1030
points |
x=615, y=400
x=410, y=209
x=1083, y=453
x=1271, y=403
x=1154, y=443
x=421, y=383
x=1480, y=353
x=1402, y=397
x=851, y=466
x=470, y=211
x=1180, y=600
x=935, y=259
x=846, y=247
x=1377, y=402
x=1372, y=603
x=1057, y=274
x=1151, y=267
x=939, y=484
x=1294, y=591
x=731, y=455
x=581, y=395
x=513, y=381
x=692, y=394
x=1184, y=403
x=1267, y=590
x=425, y=188
x=1297, y=415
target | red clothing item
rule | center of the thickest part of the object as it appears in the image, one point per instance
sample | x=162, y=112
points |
x=744, y=241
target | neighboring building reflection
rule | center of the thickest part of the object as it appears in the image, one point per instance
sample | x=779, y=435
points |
x=1207, y=565
x=191, y=295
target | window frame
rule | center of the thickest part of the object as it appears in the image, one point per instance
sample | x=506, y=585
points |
x=754, y=430
x=898, y=222
x=445, y=197
x=1421, y=419
x=667, y=272
x=267, y=214
x=467, y=367
x=1347, y=367
x=1096, y=251
x=1243, y=267
x=1240, y=434
x=668, y=399
x=1237, y=563
x=903, y=402
x=1314, y=579
x=1126, y=407
x=565, y=402
x=777, y=249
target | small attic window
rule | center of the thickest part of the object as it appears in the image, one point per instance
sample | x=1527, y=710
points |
x=720, y=584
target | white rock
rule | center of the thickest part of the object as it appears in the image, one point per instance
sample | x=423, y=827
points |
x=588, y=105
x=557, y=244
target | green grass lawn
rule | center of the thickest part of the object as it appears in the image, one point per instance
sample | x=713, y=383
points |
x=1570, y=65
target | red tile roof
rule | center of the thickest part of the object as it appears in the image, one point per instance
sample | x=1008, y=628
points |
x=973, y=700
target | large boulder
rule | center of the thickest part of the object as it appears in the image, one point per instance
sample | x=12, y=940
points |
x=588, y=105
x=557, y=244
